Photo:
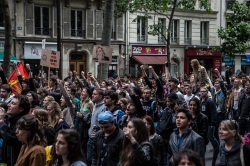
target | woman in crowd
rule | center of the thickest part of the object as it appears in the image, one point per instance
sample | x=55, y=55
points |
x=33, y=100
x=47, y=100
x=187, y=157
x=49, y=132
x=155, y=139
x=200, y=121
x=230, y=150
x=200, y=74
x=55, y=116
x=136, y=149
x=68, y=112
x=84, y=117
x=28, y=131
x=67, y=149
x=123, y=102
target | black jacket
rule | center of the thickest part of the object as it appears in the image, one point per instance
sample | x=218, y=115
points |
x=244, y=105
x=158, y=144
x=11, y=144
x=114, y=147
x=208, y=107
x=200, y=126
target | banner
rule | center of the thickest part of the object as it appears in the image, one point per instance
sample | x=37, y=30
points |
x=13, y=80
x=102, y=54
x=50, y=58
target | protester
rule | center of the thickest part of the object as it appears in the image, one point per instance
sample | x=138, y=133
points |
x=230, y=149
x=155, y=139
x=107, y=143
x=6, y=94
x=47, y=100
x=67, y=149
x=49, y=131
x=18, y=107
x=33, y=100
x=187, y=157
x=29, y=132
x=184, y=137
x=136, y=149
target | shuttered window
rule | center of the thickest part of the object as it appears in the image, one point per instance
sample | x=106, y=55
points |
x=99, y=23
x=89, y=24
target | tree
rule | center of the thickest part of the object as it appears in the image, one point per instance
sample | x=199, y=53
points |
x=165, y=8
x=237, y=34
x=106, y=35
x=4, y=6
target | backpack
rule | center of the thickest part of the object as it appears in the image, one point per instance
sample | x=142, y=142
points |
x=165, y=126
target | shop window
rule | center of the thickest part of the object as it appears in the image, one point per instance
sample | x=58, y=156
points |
x=175, y=32
x=141, y=29
x=162, y=30
x=42, y=15
x=204, y=27
x=188, y=32
x=76, y=23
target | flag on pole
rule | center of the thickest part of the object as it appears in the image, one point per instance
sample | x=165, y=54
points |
x=13, y=80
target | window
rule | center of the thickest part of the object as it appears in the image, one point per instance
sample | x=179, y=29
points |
x=204, y=32
x=42, y=15
x=175, y=32
x=113, y=30
x=229, y=4
x=188, y=32
x=141, y=29
x=162, y=30
x=203, y=4
x=76, y=23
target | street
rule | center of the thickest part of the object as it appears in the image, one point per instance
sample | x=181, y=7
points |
x=209, y=155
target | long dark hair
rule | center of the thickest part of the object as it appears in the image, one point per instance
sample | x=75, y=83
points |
x=141, y=135
x=151, y=122
x=32, y=124
x=197, y=101
x=74, y=147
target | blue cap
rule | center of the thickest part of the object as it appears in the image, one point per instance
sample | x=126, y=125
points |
x=105, y=117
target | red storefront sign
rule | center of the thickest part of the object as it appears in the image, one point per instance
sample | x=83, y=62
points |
x=202, y=52
x=150, y=50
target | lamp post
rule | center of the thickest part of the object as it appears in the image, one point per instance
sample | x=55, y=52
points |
x=58, y=8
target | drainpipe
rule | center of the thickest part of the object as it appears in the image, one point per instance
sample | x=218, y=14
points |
x=127, y=43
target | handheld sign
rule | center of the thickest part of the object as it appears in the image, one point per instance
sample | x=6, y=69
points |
x=50, y=58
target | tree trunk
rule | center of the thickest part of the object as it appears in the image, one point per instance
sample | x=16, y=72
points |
x=106, y=36
x=169, y=35
x=8, y=37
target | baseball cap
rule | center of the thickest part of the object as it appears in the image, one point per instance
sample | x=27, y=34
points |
x=105, y=117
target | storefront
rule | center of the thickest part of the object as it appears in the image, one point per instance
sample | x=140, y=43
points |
x=154, y=56
x=32, y=55
x=207, y=57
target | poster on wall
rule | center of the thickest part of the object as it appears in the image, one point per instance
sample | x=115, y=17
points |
x=50, y=58
x=102, y=54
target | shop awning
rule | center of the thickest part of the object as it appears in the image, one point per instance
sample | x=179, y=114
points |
x=12, y=57
x=156, y=60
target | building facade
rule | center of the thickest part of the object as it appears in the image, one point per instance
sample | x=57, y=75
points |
x=81, y=28
x=193, y=34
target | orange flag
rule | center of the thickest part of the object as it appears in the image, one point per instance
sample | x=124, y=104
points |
x=13, y=81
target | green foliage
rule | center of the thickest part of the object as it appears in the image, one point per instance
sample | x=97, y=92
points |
x=237, y=34
x=156, y=7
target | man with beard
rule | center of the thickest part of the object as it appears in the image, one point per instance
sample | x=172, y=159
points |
x=110, y=100
x=244, y=111
x=148, y=103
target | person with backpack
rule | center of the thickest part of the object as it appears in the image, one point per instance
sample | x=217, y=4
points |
x=136, y=149
x=110, y=100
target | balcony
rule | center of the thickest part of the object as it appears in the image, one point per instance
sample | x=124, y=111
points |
x=188, y=40
x=204, y=41
x=174, y=40
x=142, y=38
x=43, y=31
x=77, y=33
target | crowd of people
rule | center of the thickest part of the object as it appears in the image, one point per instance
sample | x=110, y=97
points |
x=163, y=120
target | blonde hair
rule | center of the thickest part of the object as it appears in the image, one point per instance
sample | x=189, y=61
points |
x=231, y=126
x=53, y=120
x=196, y=65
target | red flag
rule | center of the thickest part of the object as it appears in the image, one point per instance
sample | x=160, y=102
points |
x=13, y=81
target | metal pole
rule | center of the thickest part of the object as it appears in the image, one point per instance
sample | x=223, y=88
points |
x=58, y=7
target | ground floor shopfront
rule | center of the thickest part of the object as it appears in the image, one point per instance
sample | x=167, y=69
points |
x=74, y=57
